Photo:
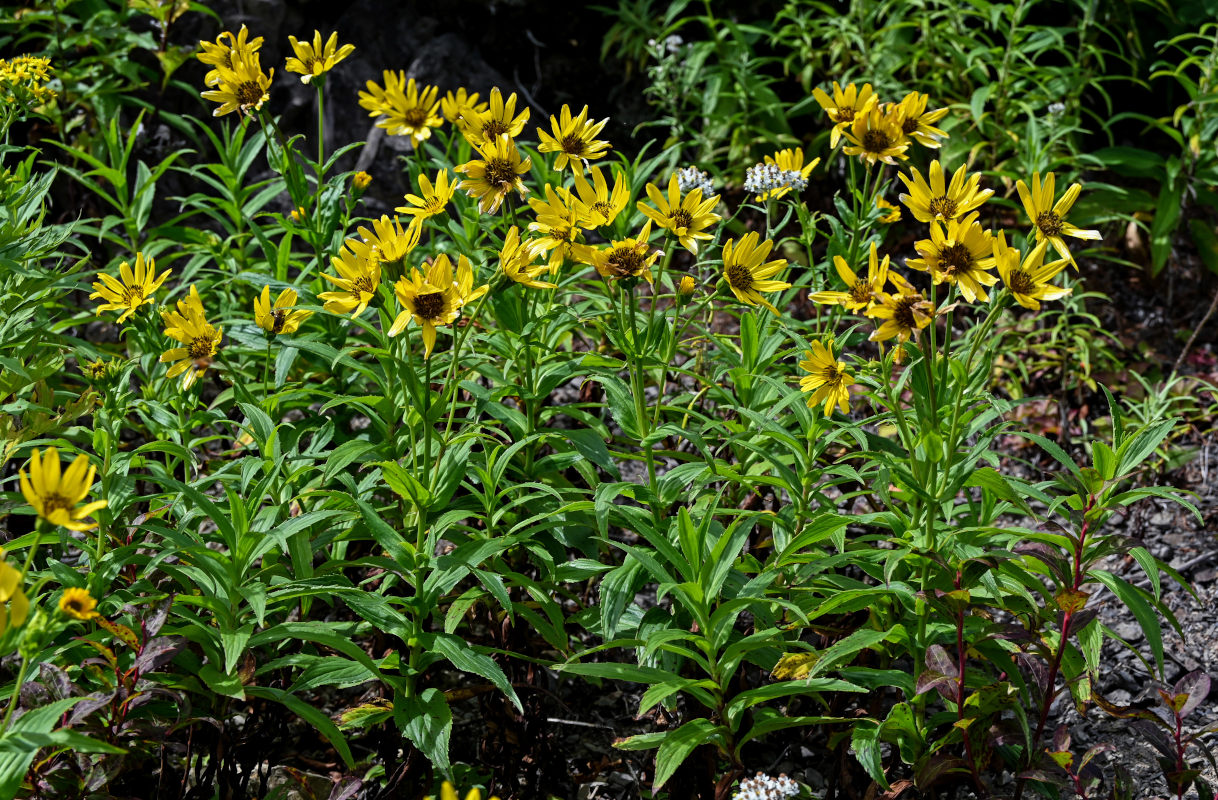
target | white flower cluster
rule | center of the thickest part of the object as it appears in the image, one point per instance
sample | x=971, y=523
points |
x=690, y=178
x=762, y=178
x=763, y=787
x=671, y=45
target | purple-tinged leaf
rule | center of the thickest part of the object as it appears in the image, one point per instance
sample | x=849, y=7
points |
x=1196, y=687
x=157, y=653
x=939, y=660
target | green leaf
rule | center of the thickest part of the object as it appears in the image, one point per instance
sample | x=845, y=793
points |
x=426, y=720
x=865, y=741
x=463, y=657
x=310, y=715
x=1142, y=611
x=678, y=744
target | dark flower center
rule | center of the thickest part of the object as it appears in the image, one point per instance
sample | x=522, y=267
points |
x=429, y=306
x=844, y=115
x=278, y=318
x=625, y=262
x=363, y=285
x=903, y=311
x=875, y=141
x=831, y=375
x=1021, y=282
x=55, y=502
x=74, y=606
x=311, y=62
x=200, y=347
x=860, y=292
x=604, y=209
x=133, y=296
x=249, y=93
x=492, y=129
x=1049, y=223
x=573, y=144
x=944, y=207
x=415, y=117
x=955, y=258
x=500, y=172
x=909, y=125
x=681, y=218
x=739, y=277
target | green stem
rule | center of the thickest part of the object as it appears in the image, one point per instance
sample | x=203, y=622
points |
x=266, y=371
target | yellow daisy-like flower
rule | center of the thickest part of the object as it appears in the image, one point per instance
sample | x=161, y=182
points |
x=747, y=271
x=189, y=326
x=627, y=258
x=449, y=792
x=431, y=200
x=499, y=119
x=594, y=205
x=574, y=140
x=403, y=109
x=386, y=243
x=457, y=106
x=359, y=275
x=14, y=605
x=429, y=298
x=876, y=136
x=962, y=254
x=77, y=603
x=516, y=260
x=917, y=123
x=132, y=288
x=220, y=52
x=361, y=180
x=313, y=60
x=933, y=200
x=54, y=494
x=465, y=282
x=279, y=318
x=859, y=293
x=242, y=87
x=686, y=218
x=904, y=313
x=1029, y=281
x=556, y=224
x=844, y=106
x=498, y=172
x=1050, y=218
x=894, y=212
x=827, y=379
x=789, y=160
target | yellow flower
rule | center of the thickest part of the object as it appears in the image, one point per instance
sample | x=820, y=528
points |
x=516, y=260
x=917, y=123
x=430, y=299
x=844, y=106
x=449, y=792
x=202, y=341
x=431, y=200
x=465, y=282
x=961, y=255
x=499, y=119
x=685, y=288
x=297, y=214
x=243, y=86
x=316, y=59
x=933, y=201
x=789, y=160
x=574, y=140
x=279, y=318
x=494, y=175
x=1029, y=281
x=77, y=603
x=556, y=224
x=894, y=212
x=403, y=109
x=827, y=379
x=359, y=277
x=361, y=180
x=54, y=495
x=876, y=136
x=628, y=258
x=904, y=313
x=747, y=271
x=386, y=243
x=594, y=205
x=459, y=105
x=687, y=218
x=220, y=52
x=14, y=605
x=132, y=288
x=1050, y=219
x=23, y=81
x=859, y=293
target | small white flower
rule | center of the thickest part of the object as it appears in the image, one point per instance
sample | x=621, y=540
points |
x=762, y=178
x=690, y=178
x=1057, y=108
x=764, y=787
